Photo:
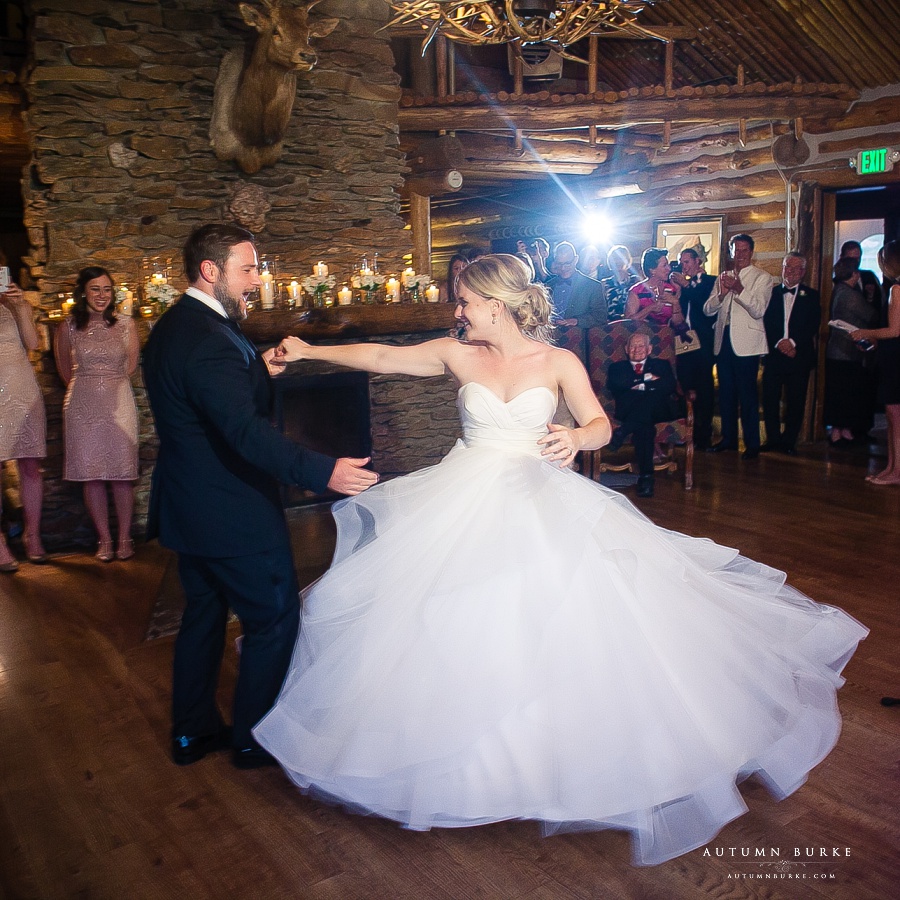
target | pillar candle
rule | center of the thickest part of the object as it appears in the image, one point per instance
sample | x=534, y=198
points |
x=392, y=289
x=320, y=269
x=345, y=296
x=266, y=291
x=408, y=275
x=432, y=293
x=294, y=290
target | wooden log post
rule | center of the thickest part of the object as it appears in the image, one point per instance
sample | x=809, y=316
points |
x=420, y=225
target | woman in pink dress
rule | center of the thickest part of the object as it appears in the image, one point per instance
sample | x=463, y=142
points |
x=655, y=300
x=96, y=354
x=22, y=419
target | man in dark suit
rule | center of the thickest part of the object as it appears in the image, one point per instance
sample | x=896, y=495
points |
x=578, y=300
x=643, y=388
x=695, y=368
x=792, y=321
x=215, y=496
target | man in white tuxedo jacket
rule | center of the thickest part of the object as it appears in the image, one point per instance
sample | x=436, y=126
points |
x=739, y=300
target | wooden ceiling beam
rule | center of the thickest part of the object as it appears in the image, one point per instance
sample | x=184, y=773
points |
x=626, y=113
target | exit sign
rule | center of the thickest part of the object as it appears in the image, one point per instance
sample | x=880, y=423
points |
x=873, y=162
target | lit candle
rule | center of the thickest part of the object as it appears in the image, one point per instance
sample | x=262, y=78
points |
x=128, y=303
x=392, y=289
x=294, y=291
x=320, y=269
x=432, y=293
x=345, y=296
x=67, y=306
x=147, y=312
x=266, y=291
x=408, y=275
x=365, y=272
x=157, y=278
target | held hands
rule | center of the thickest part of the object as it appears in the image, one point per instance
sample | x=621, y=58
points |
x=560, y=445
x=786, y=347
x=273, y=362
x=349, y=476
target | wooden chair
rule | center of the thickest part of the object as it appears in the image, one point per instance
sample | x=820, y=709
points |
x=607, y=345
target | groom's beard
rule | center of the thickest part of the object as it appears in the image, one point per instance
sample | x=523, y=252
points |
x=235, y=307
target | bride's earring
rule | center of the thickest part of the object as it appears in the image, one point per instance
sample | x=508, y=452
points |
x=494, y=319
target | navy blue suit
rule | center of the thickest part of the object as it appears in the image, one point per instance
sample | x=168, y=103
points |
x=215, y=500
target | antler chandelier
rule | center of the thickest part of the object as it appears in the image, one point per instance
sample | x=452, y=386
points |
x=559, y=22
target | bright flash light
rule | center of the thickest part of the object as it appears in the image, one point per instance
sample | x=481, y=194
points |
x=596, y=228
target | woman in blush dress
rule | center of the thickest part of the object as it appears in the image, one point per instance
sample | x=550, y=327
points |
x=500, y=638
x=888, y=350
x=96, y=354
x=22, y=420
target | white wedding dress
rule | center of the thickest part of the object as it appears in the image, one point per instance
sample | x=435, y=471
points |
x=498, y=638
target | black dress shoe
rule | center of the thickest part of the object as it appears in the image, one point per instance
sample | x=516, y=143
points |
x=751, y=453
x=645, y=486
x=721, y=447
x=770, y=447
x=252, y=758
x=890, y=701
x=187, y=749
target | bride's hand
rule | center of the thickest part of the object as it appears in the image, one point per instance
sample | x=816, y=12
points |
x=291, y=349
x=560, y=445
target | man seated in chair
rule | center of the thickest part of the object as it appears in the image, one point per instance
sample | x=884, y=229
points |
x=643, y=388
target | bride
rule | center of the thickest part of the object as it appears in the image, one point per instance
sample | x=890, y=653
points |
x=501, y=638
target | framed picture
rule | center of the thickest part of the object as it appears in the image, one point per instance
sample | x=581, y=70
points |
x=702, y=235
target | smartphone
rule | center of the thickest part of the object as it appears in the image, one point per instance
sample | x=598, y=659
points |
x=4, y=279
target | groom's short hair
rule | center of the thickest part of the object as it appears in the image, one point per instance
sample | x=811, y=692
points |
x=212, y=242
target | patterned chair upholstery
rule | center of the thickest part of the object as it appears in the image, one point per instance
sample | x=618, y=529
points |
x=606, y=345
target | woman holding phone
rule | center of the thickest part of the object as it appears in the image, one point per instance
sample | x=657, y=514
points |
x=655, y=299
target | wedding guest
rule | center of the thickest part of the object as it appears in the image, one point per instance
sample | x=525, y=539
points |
x=577, y=300
x=620, y=282
x=538, y=252
x=456, y=264
x=869, y=283
x=655, y=299
x=888, y=338
x=96, y=354
x=850, y=385
x=590, y=263
x=695, y=367
x=22, y=419
x=791, y=321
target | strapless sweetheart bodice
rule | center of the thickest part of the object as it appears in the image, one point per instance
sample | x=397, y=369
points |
x=515, y=425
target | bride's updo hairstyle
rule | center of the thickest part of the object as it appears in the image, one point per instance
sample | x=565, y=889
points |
x=504, y=277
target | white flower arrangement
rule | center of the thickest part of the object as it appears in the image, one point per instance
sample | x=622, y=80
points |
x=417, y=282
x=314, y=284
x=370, y=283
x=163, y=294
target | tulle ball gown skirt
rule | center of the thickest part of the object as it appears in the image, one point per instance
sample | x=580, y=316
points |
x=499, y=639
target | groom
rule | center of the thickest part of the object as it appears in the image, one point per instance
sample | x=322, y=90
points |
x=215, y=496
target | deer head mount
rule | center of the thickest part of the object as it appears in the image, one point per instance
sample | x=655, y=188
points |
x=257, y=83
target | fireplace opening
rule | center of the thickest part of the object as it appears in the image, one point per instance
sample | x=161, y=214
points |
x=325, y=412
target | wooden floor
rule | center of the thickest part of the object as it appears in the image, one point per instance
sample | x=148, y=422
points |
x=91, y=806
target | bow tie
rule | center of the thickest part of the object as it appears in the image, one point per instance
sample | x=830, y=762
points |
x=792, y=291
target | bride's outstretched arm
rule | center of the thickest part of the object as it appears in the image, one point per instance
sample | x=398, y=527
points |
x=594, y=429
x=428, y=358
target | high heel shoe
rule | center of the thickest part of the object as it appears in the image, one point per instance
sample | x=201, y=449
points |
x=37, y=559
x=125, y=549
x=9, y=567
x=105, y=552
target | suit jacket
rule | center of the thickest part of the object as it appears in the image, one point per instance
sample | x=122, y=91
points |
x=621, y=379
x=803, y=325
x=748, y=334
x=586, y=302
x=692, y=300
x=215, y=488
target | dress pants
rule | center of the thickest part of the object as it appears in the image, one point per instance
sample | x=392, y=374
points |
x=738, y=391
x=695, y=373
x=638, y=414
x=262, y=590
x=789, y=376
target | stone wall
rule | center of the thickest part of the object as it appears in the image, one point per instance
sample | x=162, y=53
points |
x=120, y=97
